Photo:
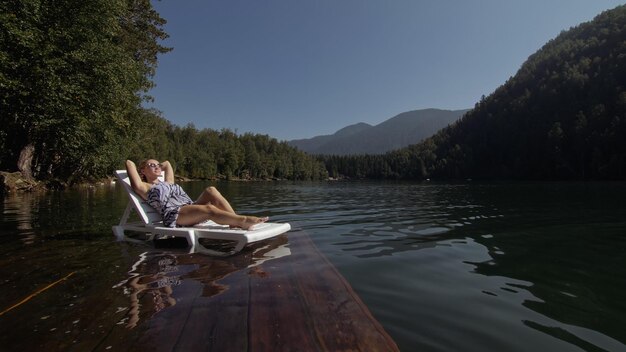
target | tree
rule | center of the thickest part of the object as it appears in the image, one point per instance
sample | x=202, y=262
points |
x=73, y=74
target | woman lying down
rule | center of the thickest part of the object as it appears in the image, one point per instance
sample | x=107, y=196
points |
x=175, y=206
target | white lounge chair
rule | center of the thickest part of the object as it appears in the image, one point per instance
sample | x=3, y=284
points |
x=152, y=225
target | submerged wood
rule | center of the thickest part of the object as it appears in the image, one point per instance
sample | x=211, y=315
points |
x=298, y=302
x=11, y=182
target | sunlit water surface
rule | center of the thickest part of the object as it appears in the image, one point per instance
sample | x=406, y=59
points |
x=443, y=267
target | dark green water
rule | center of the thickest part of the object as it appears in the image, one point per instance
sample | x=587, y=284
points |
x=444, y=267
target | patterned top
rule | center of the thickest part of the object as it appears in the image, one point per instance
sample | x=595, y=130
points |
x=167, y=199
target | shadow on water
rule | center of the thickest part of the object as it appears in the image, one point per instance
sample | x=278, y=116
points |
x=576, y=272
x=566, y=242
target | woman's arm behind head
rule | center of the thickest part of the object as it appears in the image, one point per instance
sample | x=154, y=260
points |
x=135, y=179
x=169, y=171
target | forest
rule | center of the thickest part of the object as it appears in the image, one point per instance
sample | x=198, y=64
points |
x=561, y=117
x=210, y=154
x=74, y=75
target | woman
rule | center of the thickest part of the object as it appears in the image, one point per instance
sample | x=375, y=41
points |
x=175, y=206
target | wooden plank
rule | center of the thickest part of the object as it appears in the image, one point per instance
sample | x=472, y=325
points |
x=278, y=321
x=321, y=312
x=218, y=321
x=296, y=302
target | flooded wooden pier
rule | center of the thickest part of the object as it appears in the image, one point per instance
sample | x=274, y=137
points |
x=281, y=295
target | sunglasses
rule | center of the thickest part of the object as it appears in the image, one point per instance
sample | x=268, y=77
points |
x=154, y=166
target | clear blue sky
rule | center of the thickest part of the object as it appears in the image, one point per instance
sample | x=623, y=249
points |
x=301, y=68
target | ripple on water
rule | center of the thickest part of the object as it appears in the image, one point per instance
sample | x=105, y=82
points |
x=439, y=265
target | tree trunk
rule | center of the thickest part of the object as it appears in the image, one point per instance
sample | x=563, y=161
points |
x=25, y=161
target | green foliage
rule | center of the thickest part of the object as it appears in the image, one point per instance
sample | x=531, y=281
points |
x=562, y=116
x=210, y=154
x=72, y=74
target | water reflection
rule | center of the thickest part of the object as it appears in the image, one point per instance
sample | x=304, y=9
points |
x=573, y=272
x=18, y=208
x=439, y=265
x=551, y=259
x=378, y=220
x=157, y=279
x=72, y=214
x=148, y=288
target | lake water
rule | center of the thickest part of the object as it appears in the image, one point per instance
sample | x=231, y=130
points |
x=443, y=267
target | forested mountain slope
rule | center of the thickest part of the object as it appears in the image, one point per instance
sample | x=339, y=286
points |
x=562, y=116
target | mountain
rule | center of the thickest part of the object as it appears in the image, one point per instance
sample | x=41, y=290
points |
x=397, y=132
x=562, y=116
x=311, y=145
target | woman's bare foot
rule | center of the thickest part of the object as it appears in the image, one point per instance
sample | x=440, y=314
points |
x=249, y=221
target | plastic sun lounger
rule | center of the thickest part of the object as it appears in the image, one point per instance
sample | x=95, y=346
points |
x=152, y=225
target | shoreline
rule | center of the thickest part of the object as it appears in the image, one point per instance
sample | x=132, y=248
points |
x=15, y=182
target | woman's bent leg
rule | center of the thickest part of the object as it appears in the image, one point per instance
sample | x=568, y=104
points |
x=212, y=196
x=193, y=214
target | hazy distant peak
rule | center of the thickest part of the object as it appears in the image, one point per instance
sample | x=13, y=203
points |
x=397, y=132
x=410, y=116
x=352, y=129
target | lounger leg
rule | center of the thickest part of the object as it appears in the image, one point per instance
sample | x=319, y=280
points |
x=239, y=246
x=119, y=233
x=193, y=241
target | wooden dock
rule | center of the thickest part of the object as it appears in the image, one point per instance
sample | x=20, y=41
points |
x=298, y=302
x=282, y=295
